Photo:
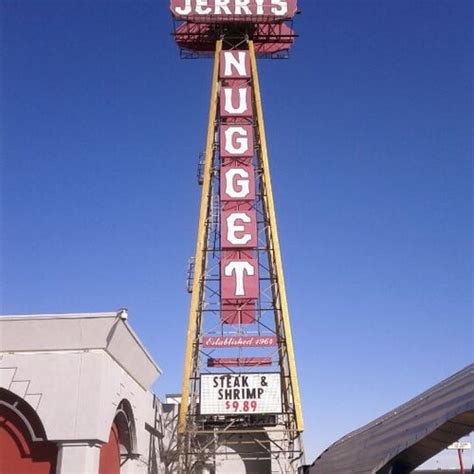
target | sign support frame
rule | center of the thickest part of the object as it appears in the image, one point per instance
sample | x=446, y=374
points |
x=276, y=241
x=197, y=441
x=200, y=245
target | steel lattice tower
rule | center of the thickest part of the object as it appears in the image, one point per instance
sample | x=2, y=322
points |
x=240, y=389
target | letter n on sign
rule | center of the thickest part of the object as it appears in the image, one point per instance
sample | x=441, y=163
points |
x=235, y=65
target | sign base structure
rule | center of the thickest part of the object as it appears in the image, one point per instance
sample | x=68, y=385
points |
x=240, y=402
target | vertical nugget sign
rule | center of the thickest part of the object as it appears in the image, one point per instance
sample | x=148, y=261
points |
x=239, y=265
x=239, y=371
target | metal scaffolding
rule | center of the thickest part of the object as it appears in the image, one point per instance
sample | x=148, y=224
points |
x=203, y=439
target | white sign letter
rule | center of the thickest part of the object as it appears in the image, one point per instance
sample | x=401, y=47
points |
x=242, y=5
x=230, y=184
x=259, y=7
x=186, y=10
x=239, y=268
x=222, y=5
x=242, y=141
x=229, y=108
x=200, y=10
x=233, y=228
x=239, y=64
x=281, y=7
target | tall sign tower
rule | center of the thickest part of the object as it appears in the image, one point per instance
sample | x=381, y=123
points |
x=240, y=392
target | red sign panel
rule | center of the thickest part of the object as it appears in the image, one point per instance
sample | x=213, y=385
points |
x=236, y=100
x=239, y=233
x=239, y=341
x=239, y=229
x=266, y=11
x=239, y=277
x=236, y=140
x=240, y=362
x=235, y=65
x=268, y=38
x=237, y=180
x=238, y=313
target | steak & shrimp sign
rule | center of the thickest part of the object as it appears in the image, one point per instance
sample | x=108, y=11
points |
x=240, y=394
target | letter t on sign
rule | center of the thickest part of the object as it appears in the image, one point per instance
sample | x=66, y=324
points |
x=239, y=279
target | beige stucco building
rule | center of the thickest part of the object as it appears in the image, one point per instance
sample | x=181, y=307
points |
x=75, y=398
x=87, y=377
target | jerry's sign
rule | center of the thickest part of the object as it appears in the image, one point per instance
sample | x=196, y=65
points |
x=265, y=11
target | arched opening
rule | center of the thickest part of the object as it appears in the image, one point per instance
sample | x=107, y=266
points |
x=23, y=444
x=246, y=454
x=121, y=443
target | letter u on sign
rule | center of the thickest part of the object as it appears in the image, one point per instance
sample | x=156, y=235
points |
x=235, y=100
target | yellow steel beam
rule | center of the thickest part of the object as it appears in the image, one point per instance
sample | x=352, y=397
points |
x=276, y=242
x=200, y=245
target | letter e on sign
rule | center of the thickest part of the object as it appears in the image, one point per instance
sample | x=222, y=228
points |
x=239, y=229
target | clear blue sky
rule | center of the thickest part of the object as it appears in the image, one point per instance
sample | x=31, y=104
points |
x=369, y=128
